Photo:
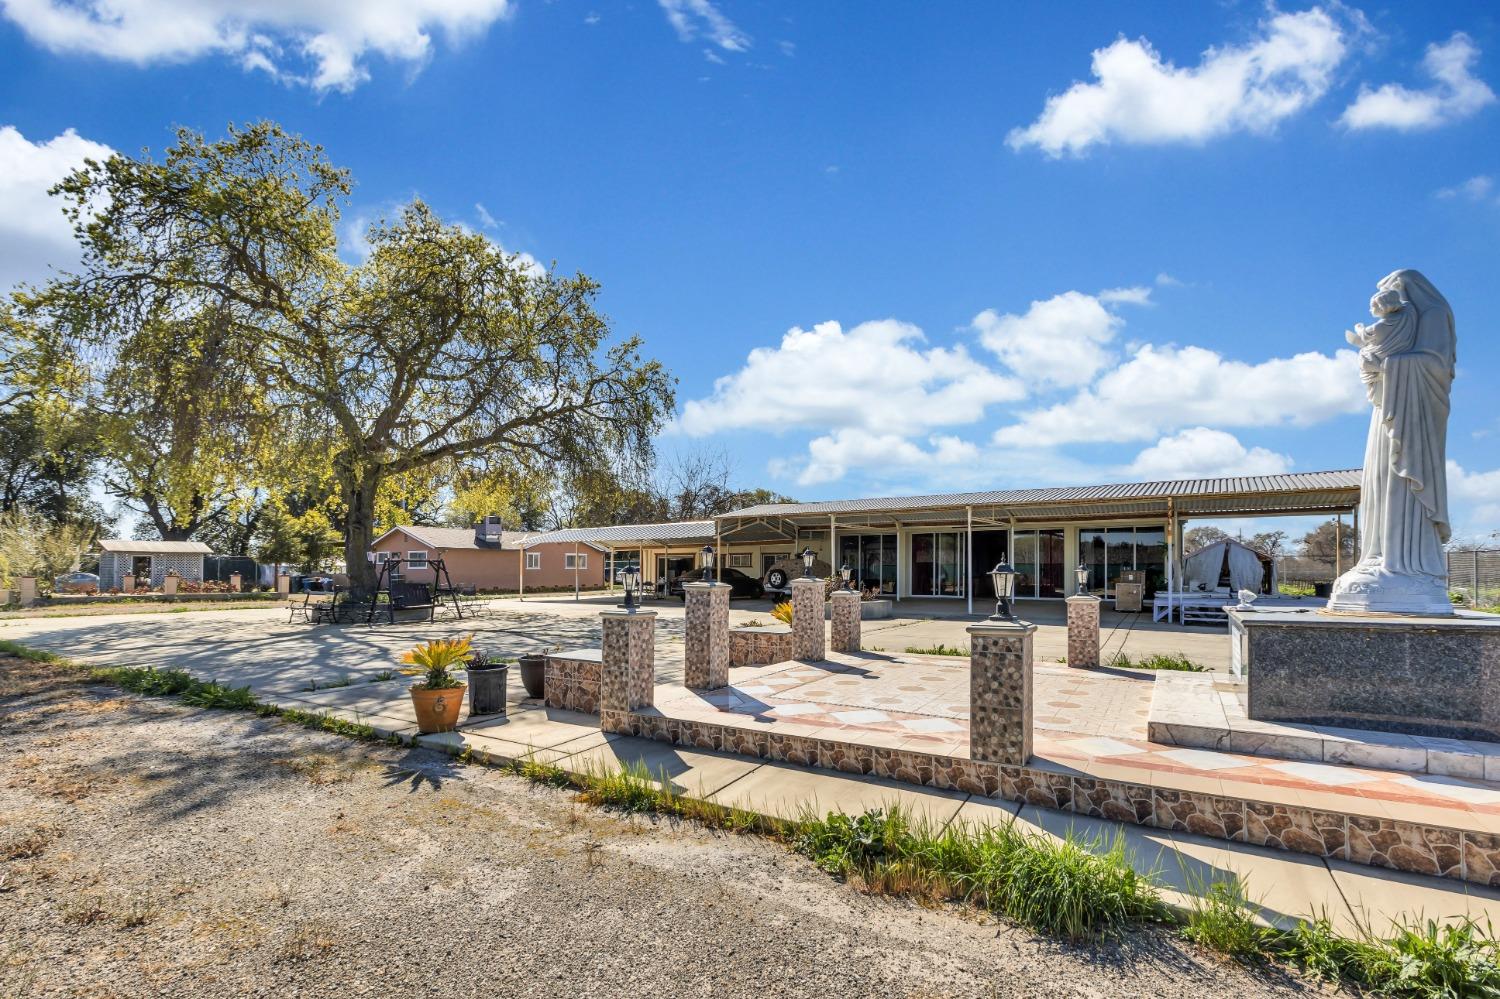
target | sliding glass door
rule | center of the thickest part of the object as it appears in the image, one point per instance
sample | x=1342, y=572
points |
x=1039, y=563
x=937, y=564
x=871, y=559
x=1107, y=551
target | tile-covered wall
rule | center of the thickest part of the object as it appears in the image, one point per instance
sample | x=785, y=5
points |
x=760, y=646
x=1083, y=631
x=572, y=684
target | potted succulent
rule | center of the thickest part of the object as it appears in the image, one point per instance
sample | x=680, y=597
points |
x=440, y=694
x=534, y=672
x=487, y=681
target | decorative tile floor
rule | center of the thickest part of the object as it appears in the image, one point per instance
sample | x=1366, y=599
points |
x=1088, y=722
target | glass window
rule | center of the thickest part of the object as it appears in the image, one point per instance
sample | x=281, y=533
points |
x=1025, y=563
x=1049, y=546
x=742, y=560
x=578, y=561
x=416, y=559
x=1151, y=555
x=533, y=560
x=1091, y=554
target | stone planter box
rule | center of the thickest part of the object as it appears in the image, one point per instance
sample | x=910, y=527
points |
x=761, y=646
x=572, y=681
x=869, y=610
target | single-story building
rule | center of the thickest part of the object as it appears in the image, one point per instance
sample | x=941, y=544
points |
x=490, y=559
x=943, y=546
x=121, y=556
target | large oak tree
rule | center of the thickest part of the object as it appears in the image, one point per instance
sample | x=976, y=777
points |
x=437, y=349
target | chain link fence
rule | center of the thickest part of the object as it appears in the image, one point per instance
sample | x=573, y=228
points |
x=1475, y=574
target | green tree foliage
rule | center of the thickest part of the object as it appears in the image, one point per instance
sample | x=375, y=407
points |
x=1322, y=541
x=439, y=350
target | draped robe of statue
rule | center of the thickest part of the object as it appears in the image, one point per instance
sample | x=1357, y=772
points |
x=1403, y=507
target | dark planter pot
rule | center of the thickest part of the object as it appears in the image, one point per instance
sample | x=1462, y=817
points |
x=487, y=690
x=1322, y=589
x=534, y=674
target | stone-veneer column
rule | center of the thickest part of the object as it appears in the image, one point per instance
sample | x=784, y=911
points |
x=628, y=676
x=1083, y=630
x=844, y=618
x=706, y=641
x=1000, y=691
x=807, y=618
x=28, y=591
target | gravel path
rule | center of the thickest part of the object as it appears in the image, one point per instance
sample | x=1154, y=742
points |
x=147, y=849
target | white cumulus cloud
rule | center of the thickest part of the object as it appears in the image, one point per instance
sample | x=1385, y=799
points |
x=829, y=457
x=1456, y=93
x=1477, y=188
x=693, y=19
x=1202, y=453
x=322, y=43
x=1164, y=388
x=1061, y=341
x=1479, y=492
x=1138, y=97
x=34, y=234
x=877, y=375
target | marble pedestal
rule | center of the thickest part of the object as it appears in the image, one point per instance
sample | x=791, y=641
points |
x=1417, y=676
x=1083, y=631
x=1000, y=691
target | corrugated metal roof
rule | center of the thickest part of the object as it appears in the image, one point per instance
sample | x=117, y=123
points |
x=130, y=547
x=1295, y=482
x=625, y=535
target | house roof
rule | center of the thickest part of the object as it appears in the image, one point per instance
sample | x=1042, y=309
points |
x=454, y=538
x=627, y=535
x=450, y=538
x=1227, y=495
x=128, y=546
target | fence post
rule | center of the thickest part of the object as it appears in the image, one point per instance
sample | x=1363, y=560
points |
x=1475, y=591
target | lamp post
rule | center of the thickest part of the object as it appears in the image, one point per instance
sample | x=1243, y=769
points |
x=631, y=576
x=708, y=563
x=1003, y=579
x=1082, y=575
x=844, y=573
x=807, y=562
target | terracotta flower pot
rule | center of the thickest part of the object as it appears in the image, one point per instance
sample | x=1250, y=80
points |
x=437, y=710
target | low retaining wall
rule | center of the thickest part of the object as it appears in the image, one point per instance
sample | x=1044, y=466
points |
x=572, y=680
x=1378, y=841
x=760, y=646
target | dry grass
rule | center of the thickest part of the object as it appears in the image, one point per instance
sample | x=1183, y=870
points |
x=307, y=941
x=28, y=845
x=322, y=769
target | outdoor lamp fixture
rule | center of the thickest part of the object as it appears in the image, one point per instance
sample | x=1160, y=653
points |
x=844, y=573
x=631, y=576
x=1082, y=573
x=807, y=561
x=1003, y=579
x=708, y=563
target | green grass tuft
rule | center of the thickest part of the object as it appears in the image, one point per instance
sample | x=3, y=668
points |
x=1222, y=919
x=9, y=648
x=937, y=650
x=1159, y=660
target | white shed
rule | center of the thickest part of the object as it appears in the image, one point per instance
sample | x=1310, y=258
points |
x=118, y=556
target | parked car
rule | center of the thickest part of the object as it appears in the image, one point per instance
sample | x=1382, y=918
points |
x=740, y=584
x=781, y=572
x=76, y=582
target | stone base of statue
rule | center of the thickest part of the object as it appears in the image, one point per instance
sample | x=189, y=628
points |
x=1370, y=588
x=1434, y=676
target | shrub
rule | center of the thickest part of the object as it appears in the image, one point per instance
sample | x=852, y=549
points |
x=1159, y=660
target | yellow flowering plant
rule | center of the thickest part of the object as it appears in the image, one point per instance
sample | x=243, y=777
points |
x=435, y=662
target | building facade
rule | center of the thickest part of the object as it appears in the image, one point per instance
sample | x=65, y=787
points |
x=507, y=565
x=149, y=560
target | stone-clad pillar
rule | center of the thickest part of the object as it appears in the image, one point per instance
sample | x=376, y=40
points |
x=1000, y=691
x=844, y=621
x=235, y=582
x=706, y=640
x=807, y=619
x=28, y=590
x=1083, y=631
x=628, y=676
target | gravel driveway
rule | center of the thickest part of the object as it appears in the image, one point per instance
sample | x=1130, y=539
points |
x=148, y=849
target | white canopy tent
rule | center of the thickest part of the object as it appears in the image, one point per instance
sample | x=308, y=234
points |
x=1246, y=567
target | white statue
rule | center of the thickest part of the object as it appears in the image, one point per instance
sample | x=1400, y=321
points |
x=1406, y=361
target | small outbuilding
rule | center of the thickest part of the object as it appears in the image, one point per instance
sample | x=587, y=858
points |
x=119, y=557
x=490, y=559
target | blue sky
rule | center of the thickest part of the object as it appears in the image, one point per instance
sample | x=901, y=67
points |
x=886, y=248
